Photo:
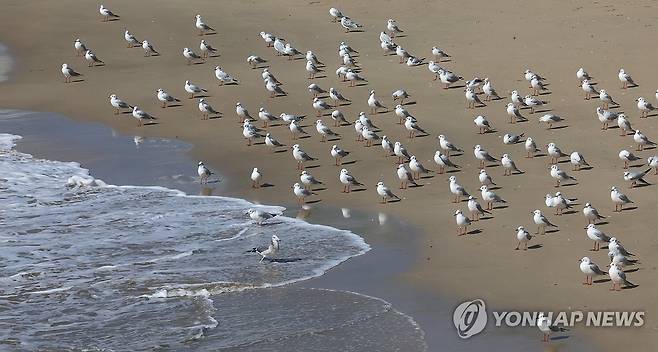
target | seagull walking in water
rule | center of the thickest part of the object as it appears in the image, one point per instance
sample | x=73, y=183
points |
x=204, y=173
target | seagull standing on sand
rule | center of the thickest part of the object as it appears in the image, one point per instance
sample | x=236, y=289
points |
x=204, y=173
x=149, y=49
x=190, y=55
x=308, y=180
x=348, y=181
x=578, y=160
x=510, y=138
x=439, y=54
x=550, y=119
x=242, y=112
x=118, y=104
x=475, y=208
x=644, y=106
x=443, y=161
x=296, y=129
x=462, y=223
x=256, y=176
x=255, y=60
x=514, y=113
x=80, y=47
x=338, y=154
x=131, y=39
x=627, y=157
x=300, y=156
x=618, y=277
x=485, y=179
x=206, y=49
x=193, y=89
x=417, y=167
x=301, y=193
x=107, y=14
x=349, y=24
x=530, y=147
x=559, y=175
x=588, y=88
x=472, y=100
x=483, y=156
x=554, y=152
x=605, y=117
x=606, y=99
x=541, y=221
x=400, y=95
x=483, y=124
x=353, y=77
x=324, y=131
x=315, y=89
x=591, y=214
x=274, y=88
x=456, y=189
x=266, y=117
x=590, y=270
x=597, y=236
x=405, y=177
x=402, y=113
x=206, y=109
x=582, y=74
x=636, y=176
x=385, y=193
x=652, y=162
x=335, y=14
x=447, y=146
x=339, y=118
x=224, y=77
x=624, y=125
x=448, y=78
x=338, y=98
x=412, y=126
x=625, y=79
x=619, y=199
x=202, y=26
x=522, y=236
x=165, y=97
x=68, y=72
x=271, y=142
x=490, y=197
x=509, y=165
x=392, y=27
x=374, y=104
x=250, y=132
x=641, y=140
x=401, y=152
x=544, y=325
x=141, y=115
x=489, y=91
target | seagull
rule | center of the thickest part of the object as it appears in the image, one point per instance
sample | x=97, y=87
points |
x=369, y=136
x=634, y=177
x=358, y=127
x=80, y=47
x=641, y=140
x=310, y=56
x=319, y=105
x=242, y=112
x=374, y=104
x=260, y=216
x=590, y=270
x=530, y=147
x=290, y=51
x=312, y=69
x=224, y=77
x=204, y=173
x=402, y=53
x=522, y=236
x=434, y=68
x=597, y=236
x=388, y=47
x=353, y=77
x=193, y=88
x=335, y=14
x=349, y=24
x=308, y=180
x=560, y=175
x=250, y=132
x=578, y=160
x=324, y=131
x=483, y=124
x=414, y=61
x=165, y=97
x=118, y=104
x=447, y=78
x=475, y=208
x=625, y=79
x=627, y=157
x=482, y=155
x=517, y=99
x=624, y=125
x=268, y=38
x=588, y=88
x=462, y=223
x=605, y=117
x=485, y=179
x=266, y=117
x=536, y=85
x=405, y=176
x=400, y=95
x=341, y=72
x=131, y=39
x=472, y=100
x=202, y=26
x=68, y=72
x=591, y=214
x=412, y=126
x=618, y=276
x=439, y=54
x=510, y=138
x=387, y=146
x=402, y=113
x=206, y=49
x=544, y=325
x=582, y=74
x=300, y=156
x=606, y=99
x=271, y=142
x=365, y=121
x=401, y=152
x=206, y=109
x=560, y=203
x=385, y=192
x=550, y=119
x=474, y=83
x=338, y=118
x=274, y=88
x=256, y=177
x=457, y=190
x=490, y=197
x=619, y=199
x=107, y=14
x=554, y=152
x=348, y=60
x=644, y=106
x=541, y=221
x=529, y=75
x=348, y=180
x=392, y=27
x=149, y=49
x=617, y=247
x=417, y=167
x=190, y=55
x=514, y=114
x=489, y=91
x=141, y=115
x=315, y=89
x=533, y=102
x=509, y=165
x=255, y=60
x=338, y=154
x=267, y=75
x=279, y=46
x=301, y=193
x=335, y=95
x=652, y=162
x=447, y=146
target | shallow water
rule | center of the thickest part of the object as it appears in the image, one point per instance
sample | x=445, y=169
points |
x=85, y=265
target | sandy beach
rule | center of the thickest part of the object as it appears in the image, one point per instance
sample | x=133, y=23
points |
x=498, y=40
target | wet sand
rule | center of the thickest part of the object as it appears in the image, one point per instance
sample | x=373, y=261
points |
x=494, y=40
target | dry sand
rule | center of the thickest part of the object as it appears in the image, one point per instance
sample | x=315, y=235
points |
x=496, y=39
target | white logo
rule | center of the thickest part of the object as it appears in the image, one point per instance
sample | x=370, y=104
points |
x=470, y=318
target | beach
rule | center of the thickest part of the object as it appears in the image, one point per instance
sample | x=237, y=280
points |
x=495, y=40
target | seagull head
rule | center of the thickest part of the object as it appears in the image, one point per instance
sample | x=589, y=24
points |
x=200, y=163
x=484, y=188
x=451, y=178
x=343, y=171
x=520, y=228
x=585, y=260
x=458, y=212
x=537, y=212
x=197, y=17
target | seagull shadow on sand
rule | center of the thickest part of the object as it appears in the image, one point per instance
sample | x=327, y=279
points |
x=535, y=246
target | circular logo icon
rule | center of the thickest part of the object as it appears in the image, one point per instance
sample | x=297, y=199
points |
x=470, y=318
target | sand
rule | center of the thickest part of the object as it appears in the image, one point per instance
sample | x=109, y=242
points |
x=498, y=40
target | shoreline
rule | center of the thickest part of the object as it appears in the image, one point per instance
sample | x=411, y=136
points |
x=548, y=286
